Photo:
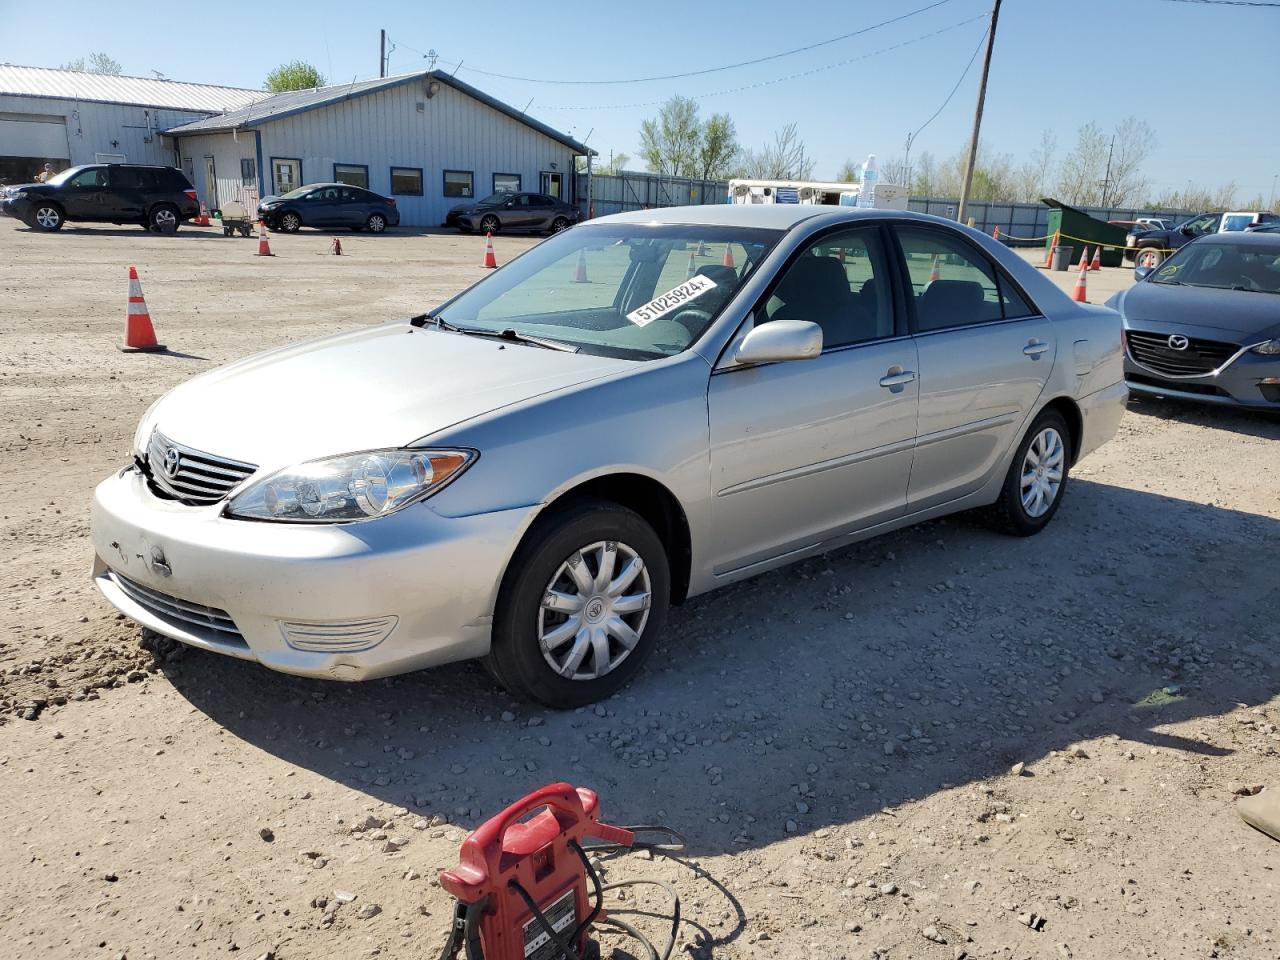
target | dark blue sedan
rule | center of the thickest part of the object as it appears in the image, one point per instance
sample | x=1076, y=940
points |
x=1205, y=324
x=329, y=205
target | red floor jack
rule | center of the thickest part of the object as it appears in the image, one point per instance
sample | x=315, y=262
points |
x=521, y=880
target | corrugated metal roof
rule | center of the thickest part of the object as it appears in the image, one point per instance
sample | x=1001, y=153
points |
x=141, y=91
x=298, y=101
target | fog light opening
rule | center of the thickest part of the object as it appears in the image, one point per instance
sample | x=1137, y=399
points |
x=345, y=636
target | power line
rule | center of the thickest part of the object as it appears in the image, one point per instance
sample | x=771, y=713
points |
x=767, y=83
x=729, y=66
x=967, y=67
x=1230, y=3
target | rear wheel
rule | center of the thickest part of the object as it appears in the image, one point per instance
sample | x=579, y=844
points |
x=290, y=222
x=581, y=606
x=489, y=224
x=47, y=216
x=1037, y=477
x=163, y=218
x=558, y=224
x=376, y=223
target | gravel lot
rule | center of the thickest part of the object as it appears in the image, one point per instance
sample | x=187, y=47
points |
x=837, y=739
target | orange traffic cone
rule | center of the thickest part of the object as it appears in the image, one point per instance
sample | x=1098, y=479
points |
x=692, y=269
x=728, y=257
x=1096, y=263
x=335, y=246
x=264, y=248
x=702, y=249
x=139, y=335
x=580, y=275
x=203, y=219
x=1080, y=293
x=1048, y=254
x=933, y=274
x=490, y=261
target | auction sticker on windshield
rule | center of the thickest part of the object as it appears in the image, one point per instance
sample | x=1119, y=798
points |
x=671, y=300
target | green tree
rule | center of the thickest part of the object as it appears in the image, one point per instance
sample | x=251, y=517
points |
x=848, y=172
x=295, y=75
x=678, y=143
x=94, y=63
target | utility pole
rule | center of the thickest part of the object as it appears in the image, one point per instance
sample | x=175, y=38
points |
x=977, y=114
x=382, y=54
x=1106, y=179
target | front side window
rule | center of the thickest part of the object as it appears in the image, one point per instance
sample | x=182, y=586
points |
x=1199, y=225
x=954, y=285
x=352, y=174
x=843, y=284
x=459, y=183
x=506, y=183
x=93, y=177
x=406, y=181
x=636, y=291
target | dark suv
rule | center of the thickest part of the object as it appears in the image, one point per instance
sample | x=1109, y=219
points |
x=155, y=197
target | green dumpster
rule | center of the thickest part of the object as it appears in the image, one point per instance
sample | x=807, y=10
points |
x=1078, y=229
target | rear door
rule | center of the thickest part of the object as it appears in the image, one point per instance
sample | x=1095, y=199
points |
x=985, y=353
x=541, y=210
x=353, y=207
x=125, y=201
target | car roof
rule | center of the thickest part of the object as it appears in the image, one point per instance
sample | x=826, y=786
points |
x=1261, y=239
x=775, y=216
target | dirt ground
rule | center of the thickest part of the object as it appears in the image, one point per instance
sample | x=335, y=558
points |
x=837, y=740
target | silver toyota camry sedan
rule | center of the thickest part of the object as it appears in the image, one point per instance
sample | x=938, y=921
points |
x=635, y=411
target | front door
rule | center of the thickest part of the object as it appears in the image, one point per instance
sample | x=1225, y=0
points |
x=985, y=355
x=82, y=199
x=286, y=175
x=806, y=450
x=210, y=184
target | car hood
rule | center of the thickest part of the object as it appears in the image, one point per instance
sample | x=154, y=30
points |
x=379, y=387
x=1238, y=312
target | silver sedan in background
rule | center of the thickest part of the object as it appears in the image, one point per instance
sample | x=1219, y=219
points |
x=635, y=411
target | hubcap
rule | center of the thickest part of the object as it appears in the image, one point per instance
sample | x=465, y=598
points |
x=290, y=222
x=594, y=610
x=47, y=217
x=376, y=224
x=164, y=217
x=1042, y=472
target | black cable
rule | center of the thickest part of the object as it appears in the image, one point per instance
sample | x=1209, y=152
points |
x=699, y=73
x=964, y=74
x=675, y=908
x=633, y=932
x=678, y=846
x=595, y=881
x=566, y=949
x=1228, y=3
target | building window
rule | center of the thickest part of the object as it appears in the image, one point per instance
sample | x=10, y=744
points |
x=459, y=183
x=248, y=171
x=352, y=174
x=506, y=183
x=406, y=181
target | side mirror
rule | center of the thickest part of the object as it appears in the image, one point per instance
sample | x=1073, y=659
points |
x=781, y=340
x=1187, y=232
x=1142, y=272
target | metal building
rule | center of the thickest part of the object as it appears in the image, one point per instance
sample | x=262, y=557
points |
x=426, y=139
x=68, y=117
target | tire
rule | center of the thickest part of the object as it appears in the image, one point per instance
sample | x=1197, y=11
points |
x=585, y=532
x=558, y=224
x=47, y=216
x=1148, y=257
x=163, y=218
x=1011, y=513
x=490, y=224
x=290, y=222
x=376, y=223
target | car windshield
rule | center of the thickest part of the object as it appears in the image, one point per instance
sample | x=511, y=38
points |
x=635, y=291
x=495, y=199
x=295, y=194
x=1226, y=266
x=58, y=179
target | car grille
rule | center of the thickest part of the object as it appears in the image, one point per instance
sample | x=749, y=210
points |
x=183, y=611
x=1201, y=357
x=196, y=478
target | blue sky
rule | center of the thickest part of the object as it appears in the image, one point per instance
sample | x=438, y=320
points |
x=1057, y=65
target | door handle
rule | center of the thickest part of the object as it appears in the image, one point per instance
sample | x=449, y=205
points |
x=1034, y=349
x=899, y=379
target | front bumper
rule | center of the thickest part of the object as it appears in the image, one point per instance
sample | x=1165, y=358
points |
x=1238, y=384
x=17, y=207
x=231, y=586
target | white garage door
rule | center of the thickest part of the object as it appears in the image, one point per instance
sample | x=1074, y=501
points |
x=26, y=135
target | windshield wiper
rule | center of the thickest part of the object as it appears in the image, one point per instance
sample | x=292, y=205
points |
x=510, y=335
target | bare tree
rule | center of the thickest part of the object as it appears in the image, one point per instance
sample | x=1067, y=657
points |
x=95, y=63
x=1134, y=140
x=784, y=159
x=1033, y=175
x=1083, y=178
x=894, y=170
x=924, y=170
x=1081, y=173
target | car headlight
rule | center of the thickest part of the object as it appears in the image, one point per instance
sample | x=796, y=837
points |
x=358, y=486
x=1269, y=349
x=142, y=435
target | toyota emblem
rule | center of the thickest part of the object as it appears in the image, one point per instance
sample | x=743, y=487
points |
x=1178, y=342
x=172, y=462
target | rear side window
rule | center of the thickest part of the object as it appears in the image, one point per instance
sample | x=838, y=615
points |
x=954, y=285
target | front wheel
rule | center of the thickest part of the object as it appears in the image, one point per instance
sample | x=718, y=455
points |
x=47, y=216
x=581, y=606
x=290, y=222
x=489, y=224
x=376, y=223
x=1037, y=477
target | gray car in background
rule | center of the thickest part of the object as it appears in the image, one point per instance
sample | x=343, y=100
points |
x=629, y=414
x=506, y=212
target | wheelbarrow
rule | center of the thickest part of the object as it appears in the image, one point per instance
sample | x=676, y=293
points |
x=236, y=218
